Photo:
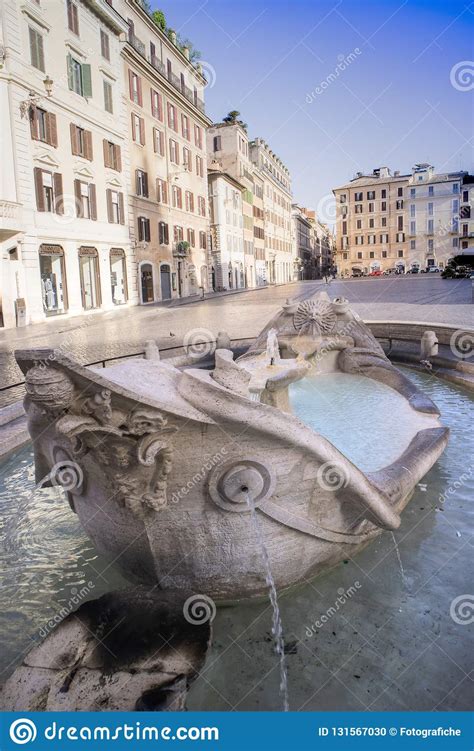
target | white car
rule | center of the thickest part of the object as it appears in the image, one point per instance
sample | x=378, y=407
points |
x=434, y=269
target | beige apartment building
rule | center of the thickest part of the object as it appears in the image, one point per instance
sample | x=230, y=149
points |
x=227, y=229
x=64, y=239
x=371, y=223
x=259, y=230
x=228, y=144
x=279, y=248
x=167, y=163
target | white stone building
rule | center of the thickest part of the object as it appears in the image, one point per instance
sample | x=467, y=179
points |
x=279, y=248
x=64, y=238
x=434, y=206
x=227, y=230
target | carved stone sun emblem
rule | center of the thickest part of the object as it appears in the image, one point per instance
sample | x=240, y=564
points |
x=314, y=316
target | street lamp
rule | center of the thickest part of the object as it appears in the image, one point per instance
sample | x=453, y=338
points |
x=34, y=99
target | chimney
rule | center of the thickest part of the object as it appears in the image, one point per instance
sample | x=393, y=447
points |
x=186, y=52
x=172, y=36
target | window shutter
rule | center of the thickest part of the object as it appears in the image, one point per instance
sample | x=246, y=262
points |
x=39, y=41
x=70, y=76
x=167, y=237
x=86, y=80
x=58, y=193
x=121, y=209
x=110, y=215
x=137, y=182
x=39, y=189
x=139, y=90
x=152, y=50
x=142, y=130
x=145, y=184
x=130, y=83
x=118, y=158
x=88, y=145
x=106, y=153
x=93, y=202
x=51, y=129
x=73, y=131
x=165, y=192
x=78, y=199
x=33, y=123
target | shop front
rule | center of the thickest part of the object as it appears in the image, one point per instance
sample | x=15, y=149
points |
x=53, y=279
x=89, y=277
x=118, y=276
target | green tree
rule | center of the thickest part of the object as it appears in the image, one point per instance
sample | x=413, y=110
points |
x=159, y=19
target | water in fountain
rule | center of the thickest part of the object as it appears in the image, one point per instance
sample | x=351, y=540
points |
x=400, y=564
x=277, y=628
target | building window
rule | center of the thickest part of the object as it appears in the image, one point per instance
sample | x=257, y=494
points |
x=430, y=228
x=359, y=240
x=383, y=193
x=400, y=192
x=399, y=223
x=217, y=143
x=115, y=207
x=400, y=253
x=400, y=237
x=138, y=129
x=108, y=97
x=90, y=278
x=189, y=200
x=172, y=117
x=358, y=197
x=371, y=254
x=104, y=45
x=158, y=142
x=412, y=228
x=163, y=233
x=384, y=238
x=36, y=49
x=79, y=77
x=465, y=196
x=412, y=192
x=412, y=244
x=455, y=187
x=161, y=191
x=185, y=127
x=118, y=276
x=49, y=191
x=53, y=279
x=384, y=221
x=81, y=142
x=190, y=236
x=359, y=255
x=431, y=190
x=371, y=223
x=399, y=205
x=358, y=208
x=384, y=254
x=141, y=181
x=72, y=17
x=112, y=155
x=198, y=136
x=455, y=242
x=178, y=234
x=430, y=246
x=85, y=198
x=199, y=167
x=371, y=239
x=202, y=240
x=201, y=206
x=143, y=229
x=430, y=209
x=43, y=126
x=371, y=208
x=135, y=88
x=176, y=197
x=187, y=159
x=174, y=152
x=344, y=228
x=370, y=195
x=342, y=198
x=156, y=104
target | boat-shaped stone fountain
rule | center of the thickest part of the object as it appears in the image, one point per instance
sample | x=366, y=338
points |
x=166, y=463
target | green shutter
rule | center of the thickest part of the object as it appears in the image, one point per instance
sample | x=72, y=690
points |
x=86, y=80
x=70, y=77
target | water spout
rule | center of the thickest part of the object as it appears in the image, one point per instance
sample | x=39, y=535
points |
x=277, y=628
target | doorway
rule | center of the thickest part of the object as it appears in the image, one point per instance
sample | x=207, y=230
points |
x=165, y=278
x=147, y=283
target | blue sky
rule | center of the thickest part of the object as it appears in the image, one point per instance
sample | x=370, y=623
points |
x=394, y=104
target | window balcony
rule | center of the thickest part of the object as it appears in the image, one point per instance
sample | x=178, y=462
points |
x=137, y=44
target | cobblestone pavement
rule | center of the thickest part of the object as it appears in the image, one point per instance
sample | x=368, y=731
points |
x=107, y=334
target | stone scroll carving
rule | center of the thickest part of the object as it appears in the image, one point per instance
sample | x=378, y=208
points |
x=133, y=449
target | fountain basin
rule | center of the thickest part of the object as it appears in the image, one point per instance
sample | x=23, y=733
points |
x=161, y=461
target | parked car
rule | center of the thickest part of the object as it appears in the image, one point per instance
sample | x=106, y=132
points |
x=357, y=273
x=433, y=269
x=389, y=272
x=413, y=270
x=376, y=272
